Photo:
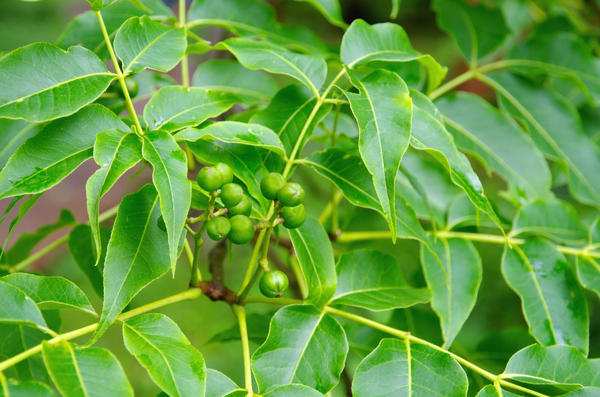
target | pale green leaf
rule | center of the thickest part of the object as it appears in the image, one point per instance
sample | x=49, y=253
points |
x=373, y=280
x=16, y=338
x=160, y=346
x=307, y=69
x=304, y=346
x=19, y=308
x=330, y=9
x=235, y=132
x=491, y=391
x=50, y=292
x=293, y=390
x=53, y=153
x=588, y=272
x=87, y=372
x=137, y=254
x=25, y=389
x=501, y=145
x=173, y=108
x=14, y=133
x=387, y=42
x=218, y=384
x=454, y=278
x=397, y=368
x=554, y=304
x=68, y=81
x=315, y=257
x=383, y=110
x=226, y=75
x=143, y=43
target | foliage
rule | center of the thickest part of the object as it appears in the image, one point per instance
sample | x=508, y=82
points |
x=407, y=162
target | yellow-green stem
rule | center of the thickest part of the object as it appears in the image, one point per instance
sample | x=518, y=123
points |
x=240, y=313
x=120, y=75
x=181, y=296
x=252, y=265
x=185, y=73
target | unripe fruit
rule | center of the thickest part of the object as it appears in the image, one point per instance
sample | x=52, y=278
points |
x=132, y=87
x=160, y=222
x=273, y=284
x=226, y=172
x=244, y=207
x=231, y=194
x=242, y=229
x=210, y=178
x=271, y=184
x=291, y=194
x=293, y=217
x=218, y=228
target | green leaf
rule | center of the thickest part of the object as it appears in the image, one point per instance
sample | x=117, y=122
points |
x=26, y=242
x=553, y=218
x=25, y=389
x=304, y=346
x=258, y=328
x=68, y=81
x=556, y=128
x=293, y=391
x=476, y=29
x=287, y=114
x=245, y=161
x=381, y=287
x=588, y=272
x=50, y=292
x=501, y=145
x=84, y=29
x=491, y=391
x=309, y=70
x=235, y=132
x=16, y=338
x=89, y=372
x=430, y=135
x=82, y=248
x=115, y=152
x=330, y=9
x=555, y=365
x=253, y=18
x=173, y=108
x=169, y=164
x=143, y=43
x=226, y=75
x=363, y=43
x=554, y=304
x=52, y=154
x=19, y=308
x=383, y=110
x=397, y=368
x=137, y=254
x=14, y=133
x=454, y=281
x=218, y=384
x=315, y=257
x=160, y=346
x=348, y=173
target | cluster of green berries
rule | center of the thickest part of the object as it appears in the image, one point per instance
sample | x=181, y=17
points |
x=236, y=226
x=290, y=195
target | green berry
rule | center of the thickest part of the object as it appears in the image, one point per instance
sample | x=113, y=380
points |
x=132, y=87
x=231, y=194
x=291, y=194
x=273, y=284
x=160, y=222
x=271, y=184
x=210, y=178
x=242, y=229
x=225, y=171
x=293, y=217
x=244, y=207
x=218, y=228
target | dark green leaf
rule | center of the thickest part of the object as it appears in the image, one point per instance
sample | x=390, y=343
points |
x=137, y=254
x=554, y=304
x=160, y=346
x=92, y=371
x=383, y=110
x=491, y=391
x=373, y=280
x=315, y=257
x=454, y=281
x=115, y=152
x=143, y=43
x=81, y=246
x=588, y=272
x=69, y=81
x=52, y=154
x=304, y=346
x=330, y=9
x=19, y=308
x=173, y=108
x=14, y=133
x=16, y=338
x=397, y=368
